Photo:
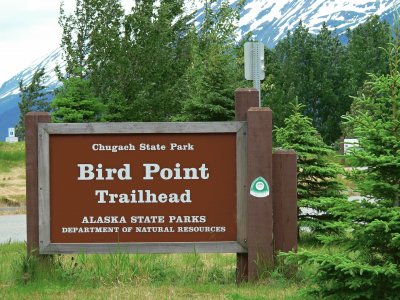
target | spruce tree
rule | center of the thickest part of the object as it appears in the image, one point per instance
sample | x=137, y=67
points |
x=214, y=72
x=368, y=267
x=318, y=188
x=367, y=263
x=375, y=120
x=309, y=67
x=75, y=102
x=366, y=55
x=289, y=73
x=326, y=105
x=33, y=98
x=323, y=72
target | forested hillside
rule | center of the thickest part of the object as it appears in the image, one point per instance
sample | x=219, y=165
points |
x=323, y=73
x=153, y=64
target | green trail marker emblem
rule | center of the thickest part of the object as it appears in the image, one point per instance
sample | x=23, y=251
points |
x=259, y=188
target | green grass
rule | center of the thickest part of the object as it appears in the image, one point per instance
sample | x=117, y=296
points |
x=11, y=155
x=133, y=276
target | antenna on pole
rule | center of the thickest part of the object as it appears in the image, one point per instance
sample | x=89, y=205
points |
x=254, y=65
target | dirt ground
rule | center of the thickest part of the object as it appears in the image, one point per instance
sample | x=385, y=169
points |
x=12, y=191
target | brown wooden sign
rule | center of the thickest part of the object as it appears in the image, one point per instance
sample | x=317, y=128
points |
x=142, y=187
x=162, y=187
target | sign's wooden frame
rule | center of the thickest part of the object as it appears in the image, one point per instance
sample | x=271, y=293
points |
x=45, y=130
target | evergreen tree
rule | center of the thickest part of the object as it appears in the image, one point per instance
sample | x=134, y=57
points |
x=375, y=120
x=289, y=73
x=369, y=265
x=214, y=72
x=310, y=68
x=75, y=102
x=33, y=98
x=318, y=188
x=275, y=92
x=322, y=72
x=366, y=55
x=327, y=102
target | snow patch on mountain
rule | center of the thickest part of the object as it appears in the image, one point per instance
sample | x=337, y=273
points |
x=10, y=94
x=269, y=20
x=48, y=62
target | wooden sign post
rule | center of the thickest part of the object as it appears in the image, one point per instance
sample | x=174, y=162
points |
x=284, y=163
x=32, y=205
x=271, y=220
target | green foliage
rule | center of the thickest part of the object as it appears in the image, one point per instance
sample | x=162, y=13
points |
x=152, y=64
x=33, y=98
x=375, y=120
x=88, y=34
x=130, y=276
x=326, y=103
x=134, y=61
x=369, y=268
x=321, y=72
x=156, y=44
x=75, y=102
x=26, y=267
x=114, y=268
x=318, y=189
x=365, y=53
x=215, y=72
x=290, y=63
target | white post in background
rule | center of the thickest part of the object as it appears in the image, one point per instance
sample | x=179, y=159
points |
x=254, y=65
x=11, y=138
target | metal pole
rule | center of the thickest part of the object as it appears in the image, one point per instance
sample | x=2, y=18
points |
x=256, y=70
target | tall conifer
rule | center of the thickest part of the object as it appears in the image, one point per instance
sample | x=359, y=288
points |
x=369, y=265
x=214, y=72
x=318, y=188
x=33, y=98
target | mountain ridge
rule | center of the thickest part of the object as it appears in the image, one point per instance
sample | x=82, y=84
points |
x=9, y=90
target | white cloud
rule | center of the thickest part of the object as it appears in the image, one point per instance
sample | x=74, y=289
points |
x=28, y=30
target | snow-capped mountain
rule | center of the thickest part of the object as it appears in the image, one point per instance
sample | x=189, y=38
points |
x=9, y=90
x=48, y=62
x=268, y=20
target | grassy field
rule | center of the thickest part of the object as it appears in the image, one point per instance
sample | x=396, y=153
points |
x=134, y=276
x=12, y=177
x=11, y=155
